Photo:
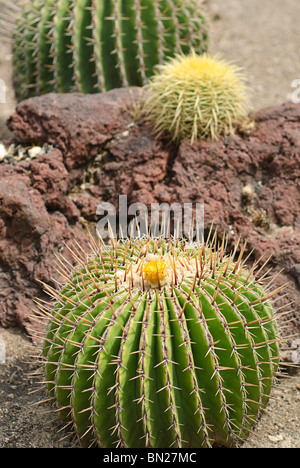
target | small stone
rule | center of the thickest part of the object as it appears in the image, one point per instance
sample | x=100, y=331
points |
x=34, y=151
x=276, y=438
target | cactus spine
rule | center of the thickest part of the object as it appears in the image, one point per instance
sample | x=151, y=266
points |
x=155, y=343
x=95, y=45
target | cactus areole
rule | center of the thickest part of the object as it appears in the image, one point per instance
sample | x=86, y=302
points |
x=160, y=343
x=96, y=45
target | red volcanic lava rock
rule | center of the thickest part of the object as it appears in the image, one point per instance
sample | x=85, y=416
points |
x=249, y=185
x=77, y=124
x=30, y=237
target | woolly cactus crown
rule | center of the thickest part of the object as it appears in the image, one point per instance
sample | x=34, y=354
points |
x=196, y=97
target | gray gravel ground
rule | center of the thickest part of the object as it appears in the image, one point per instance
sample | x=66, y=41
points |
x=264, y=38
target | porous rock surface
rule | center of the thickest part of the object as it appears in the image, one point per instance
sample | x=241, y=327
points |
x=249, y=184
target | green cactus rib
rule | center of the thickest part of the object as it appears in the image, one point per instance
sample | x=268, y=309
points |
x=94, y=45
x=187, y=362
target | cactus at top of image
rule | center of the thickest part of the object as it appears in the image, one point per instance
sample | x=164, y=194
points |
x=196, y=97
x=94, y=45
x=160, y=343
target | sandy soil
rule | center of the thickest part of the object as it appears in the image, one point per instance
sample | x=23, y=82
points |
x=264, y=38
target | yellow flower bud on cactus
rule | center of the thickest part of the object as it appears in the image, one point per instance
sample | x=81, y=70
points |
x=196, y=97
x=155, y=271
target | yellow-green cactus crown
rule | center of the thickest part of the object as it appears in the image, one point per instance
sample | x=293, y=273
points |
x=196, y=97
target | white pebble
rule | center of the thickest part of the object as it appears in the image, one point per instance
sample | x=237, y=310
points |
x=34, y=151
x=275, y=438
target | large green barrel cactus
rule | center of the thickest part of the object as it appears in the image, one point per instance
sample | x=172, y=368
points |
x=155, y=343
x=96, y=45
